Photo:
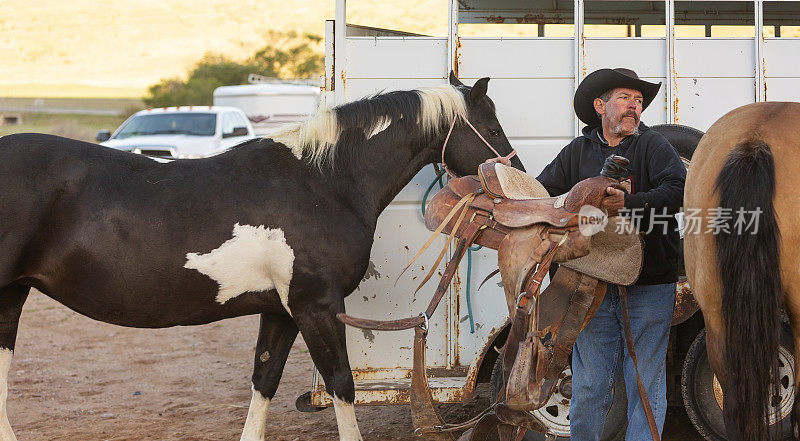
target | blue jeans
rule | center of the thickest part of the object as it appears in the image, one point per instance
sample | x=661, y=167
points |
x=600, y=347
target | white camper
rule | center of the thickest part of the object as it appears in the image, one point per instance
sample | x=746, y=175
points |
x=270, y=106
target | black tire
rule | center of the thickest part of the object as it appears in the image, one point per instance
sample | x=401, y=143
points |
x=683, y=138
x=616, y=420
x=303, y=403
x=700, y=401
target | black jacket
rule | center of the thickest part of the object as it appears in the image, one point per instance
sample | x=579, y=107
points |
x=657, y=176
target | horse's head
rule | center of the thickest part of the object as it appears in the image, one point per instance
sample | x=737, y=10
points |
x=465, y=150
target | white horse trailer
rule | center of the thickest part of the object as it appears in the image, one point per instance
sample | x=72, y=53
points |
x=270, y=106
x=532, y=83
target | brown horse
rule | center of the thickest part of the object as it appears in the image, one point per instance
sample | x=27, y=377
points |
x=743, y=255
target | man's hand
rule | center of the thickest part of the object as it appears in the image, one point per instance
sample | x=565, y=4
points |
x=500, y=159
x=614, y=201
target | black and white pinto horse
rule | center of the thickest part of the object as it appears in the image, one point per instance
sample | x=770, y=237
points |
x=280, y=227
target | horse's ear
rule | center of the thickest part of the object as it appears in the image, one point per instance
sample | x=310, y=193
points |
x=454, y=81
x=479, y=90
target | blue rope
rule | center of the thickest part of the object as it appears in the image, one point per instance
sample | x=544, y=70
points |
x=438, y=179
x=469, y=283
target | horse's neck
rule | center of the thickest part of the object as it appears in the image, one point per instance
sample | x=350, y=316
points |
x=384, y=168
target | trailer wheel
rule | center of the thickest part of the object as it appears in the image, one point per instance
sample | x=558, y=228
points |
x=555, y=414
x=702, y=395
x=303, y=404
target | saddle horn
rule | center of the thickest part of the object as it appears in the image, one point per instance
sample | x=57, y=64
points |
x=616, y=167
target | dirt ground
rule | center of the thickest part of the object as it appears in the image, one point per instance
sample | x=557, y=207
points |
x=73, y=378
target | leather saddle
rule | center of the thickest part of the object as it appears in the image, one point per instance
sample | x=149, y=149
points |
x=509, y=211
x=517, y=211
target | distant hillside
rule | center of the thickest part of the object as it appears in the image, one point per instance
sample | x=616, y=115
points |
x=116, y=48
x=119, y=47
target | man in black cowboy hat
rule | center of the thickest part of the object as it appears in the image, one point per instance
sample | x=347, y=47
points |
x=610, y=102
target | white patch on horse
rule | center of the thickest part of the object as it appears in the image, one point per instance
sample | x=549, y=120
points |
x=256, y=423
x=255, y=259
x=6, y=434
x=382, y=124
x=158, y=159
x=346, y=420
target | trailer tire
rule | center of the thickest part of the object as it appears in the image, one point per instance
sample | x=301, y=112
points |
x=700, y=401
x=616, y=420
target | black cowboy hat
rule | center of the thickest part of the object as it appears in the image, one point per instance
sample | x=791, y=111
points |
x=603, y=80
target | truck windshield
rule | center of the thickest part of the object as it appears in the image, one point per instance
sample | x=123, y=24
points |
x=195, y=124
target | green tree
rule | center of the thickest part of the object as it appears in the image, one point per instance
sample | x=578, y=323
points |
x=286, y=56
x=290, y=55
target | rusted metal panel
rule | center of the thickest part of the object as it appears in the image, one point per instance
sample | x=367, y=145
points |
x=696, y=95
x=622, y=12
x=650, y=60
x=714, y=57
x=579, y=57
x=474, y=368
x=396, y=57
x=340, y=51
x=384, y=392
x=685, y=303
x=453, y=41
x=503, y=56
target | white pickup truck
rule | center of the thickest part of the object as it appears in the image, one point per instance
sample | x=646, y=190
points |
x=180, y=132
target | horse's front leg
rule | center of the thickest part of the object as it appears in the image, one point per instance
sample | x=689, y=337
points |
x=275, y=338
x=325, y=337
x=12, y=297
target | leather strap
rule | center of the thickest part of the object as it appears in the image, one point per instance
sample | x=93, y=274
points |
x=423, y=409
x=462, y=205
x=472, y=231
x=519, y=324
x=648, y=411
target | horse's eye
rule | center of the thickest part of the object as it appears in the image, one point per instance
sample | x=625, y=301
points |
x=494, y=132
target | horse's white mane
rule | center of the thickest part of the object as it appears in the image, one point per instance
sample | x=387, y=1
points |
x=317, y=137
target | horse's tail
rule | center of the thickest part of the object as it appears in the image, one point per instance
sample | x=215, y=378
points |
x=747, y=255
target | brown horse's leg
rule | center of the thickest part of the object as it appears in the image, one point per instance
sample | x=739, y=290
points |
x=12, y=297
x=275, y=338
x=708, y=293
x=715, y=347
x=702, y=271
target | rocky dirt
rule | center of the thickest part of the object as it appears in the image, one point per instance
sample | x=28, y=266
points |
x=73, y=378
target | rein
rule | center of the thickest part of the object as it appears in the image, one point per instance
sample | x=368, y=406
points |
x=449, y=132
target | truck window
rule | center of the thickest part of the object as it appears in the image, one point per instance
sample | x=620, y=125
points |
x=230, y=121
x=195, y=124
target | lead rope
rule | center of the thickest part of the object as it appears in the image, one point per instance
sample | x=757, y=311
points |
x=447, y=138
x=648, y=411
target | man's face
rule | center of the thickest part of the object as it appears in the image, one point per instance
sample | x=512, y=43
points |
x=621, y=114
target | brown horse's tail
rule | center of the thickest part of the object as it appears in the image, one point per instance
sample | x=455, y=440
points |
x=747, y=255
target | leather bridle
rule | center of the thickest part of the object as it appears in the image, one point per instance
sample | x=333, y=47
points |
x=449, y=132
